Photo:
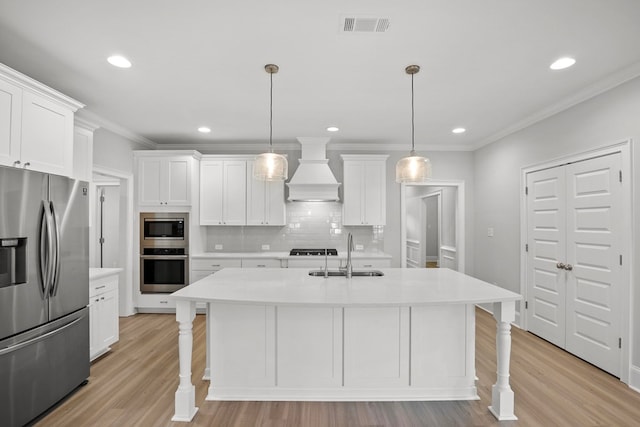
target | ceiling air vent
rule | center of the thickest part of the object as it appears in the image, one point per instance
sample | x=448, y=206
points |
x=365, y=24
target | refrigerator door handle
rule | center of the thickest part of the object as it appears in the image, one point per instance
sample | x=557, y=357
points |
x=55, y=263
x=22, y=344
x=46, y=247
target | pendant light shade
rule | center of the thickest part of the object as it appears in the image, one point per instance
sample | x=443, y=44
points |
x=271, y=166
x=413, y=168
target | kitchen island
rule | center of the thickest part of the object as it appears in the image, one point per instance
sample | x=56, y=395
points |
x=280, y=334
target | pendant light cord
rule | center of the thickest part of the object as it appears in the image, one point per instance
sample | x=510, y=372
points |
x=271, y=114
x=413, y=150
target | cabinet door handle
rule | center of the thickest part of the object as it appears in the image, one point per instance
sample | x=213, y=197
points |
x=260, y=265
x=100, y=287
x=16, y=163
x=26, y=164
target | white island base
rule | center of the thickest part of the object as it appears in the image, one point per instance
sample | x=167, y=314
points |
x=407, y=336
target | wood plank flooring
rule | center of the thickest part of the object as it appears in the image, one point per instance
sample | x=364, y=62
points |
x=134, y=385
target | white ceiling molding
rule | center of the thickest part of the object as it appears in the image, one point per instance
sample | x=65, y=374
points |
x=90, y=117
x=601, y=86
x=254, y=147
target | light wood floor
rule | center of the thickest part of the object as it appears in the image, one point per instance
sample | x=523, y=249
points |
x=134, y=385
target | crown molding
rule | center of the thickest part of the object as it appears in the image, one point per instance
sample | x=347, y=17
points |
x=84, y=124
x=289, y=146
x=89, y=116
x=25, y=82
x=601, y=86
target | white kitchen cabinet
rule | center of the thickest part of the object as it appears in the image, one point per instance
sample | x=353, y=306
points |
x=10, y=125
x=36, y=125
x=364, y=190
x=103, y=315
x=261, y=263
x=223, y=192
x=83, y=150
x=265, y=200
x=313, y=262
x=164, y=179
x=364, y=263
x=155, y=303
x=203, y=267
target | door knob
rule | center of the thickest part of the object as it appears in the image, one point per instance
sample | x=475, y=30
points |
x=568, y=267
x=560, y=265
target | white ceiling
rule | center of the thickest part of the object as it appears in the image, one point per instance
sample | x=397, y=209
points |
x=200, y=62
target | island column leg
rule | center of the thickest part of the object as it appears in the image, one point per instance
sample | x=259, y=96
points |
x=502, y=402
x=207, y=368
x=185, y=398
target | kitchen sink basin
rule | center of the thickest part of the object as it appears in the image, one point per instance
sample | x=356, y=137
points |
x=343, y=273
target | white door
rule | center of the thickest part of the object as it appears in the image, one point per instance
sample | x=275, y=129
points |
x=593, y=275
x=547, y=241
x=573, y=272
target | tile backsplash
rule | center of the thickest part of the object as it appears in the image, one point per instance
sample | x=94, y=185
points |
x=308, y=225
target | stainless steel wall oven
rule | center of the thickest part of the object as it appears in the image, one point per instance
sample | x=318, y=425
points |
x=164, y=251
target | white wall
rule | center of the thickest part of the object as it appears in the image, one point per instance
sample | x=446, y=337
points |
x=606, y=119
x=113, y=151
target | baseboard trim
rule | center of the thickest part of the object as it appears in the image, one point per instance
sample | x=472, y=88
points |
x=634, y=378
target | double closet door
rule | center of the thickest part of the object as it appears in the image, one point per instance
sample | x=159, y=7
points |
x=574, y=272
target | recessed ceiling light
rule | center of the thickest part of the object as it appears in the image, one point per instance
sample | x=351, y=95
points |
x=204, y=129
x=562, y=63
x=333, y=129
x=459, y=130
x=119, y=61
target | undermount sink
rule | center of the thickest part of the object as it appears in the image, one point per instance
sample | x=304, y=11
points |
x=343, y=273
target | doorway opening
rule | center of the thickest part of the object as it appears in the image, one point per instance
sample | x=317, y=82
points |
x=432, y=225
x=111, y=234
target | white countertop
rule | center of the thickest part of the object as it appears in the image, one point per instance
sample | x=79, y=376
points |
x=98, y=273
x=285, y=255
x=293, y=286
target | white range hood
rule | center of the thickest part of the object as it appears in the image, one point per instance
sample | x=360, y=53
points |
x=313, y=180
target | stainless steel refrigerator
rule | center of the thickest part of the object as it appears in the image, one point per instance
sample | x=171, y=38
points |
x=44, y=291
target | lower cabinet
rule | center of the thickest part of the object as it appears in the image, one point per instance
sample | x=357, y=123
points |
x=103, y=315
x=311, y=352
x=203, y=267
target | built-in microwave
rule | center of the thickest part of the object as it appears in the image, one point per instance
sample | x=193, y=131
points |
x=164, y=229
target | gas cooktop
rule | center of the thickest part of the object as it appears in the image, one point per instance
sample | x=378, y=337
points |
x=304, y=252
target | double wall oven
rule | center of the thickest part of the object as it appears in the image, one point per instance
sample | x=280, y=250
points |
x=164, y=251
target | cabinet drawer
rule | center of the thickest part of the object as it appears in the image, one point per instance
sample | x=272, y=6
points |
x=316, y=262
x=215, y=263
x=261, y=263
x=102, y=285
x=371, y=263
x=156, y=301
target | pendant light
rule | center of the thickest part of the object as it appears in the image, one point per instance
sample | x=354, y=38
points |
x=271, y=166
x=413, y=168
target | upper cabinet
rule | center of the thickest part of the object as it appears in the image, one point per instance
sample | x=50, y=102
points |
x=36, y=125
x=223, y=192
x=230, y=196
x=364, y=189
x=265, y=200
x=83, y=150
x=164, y=178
